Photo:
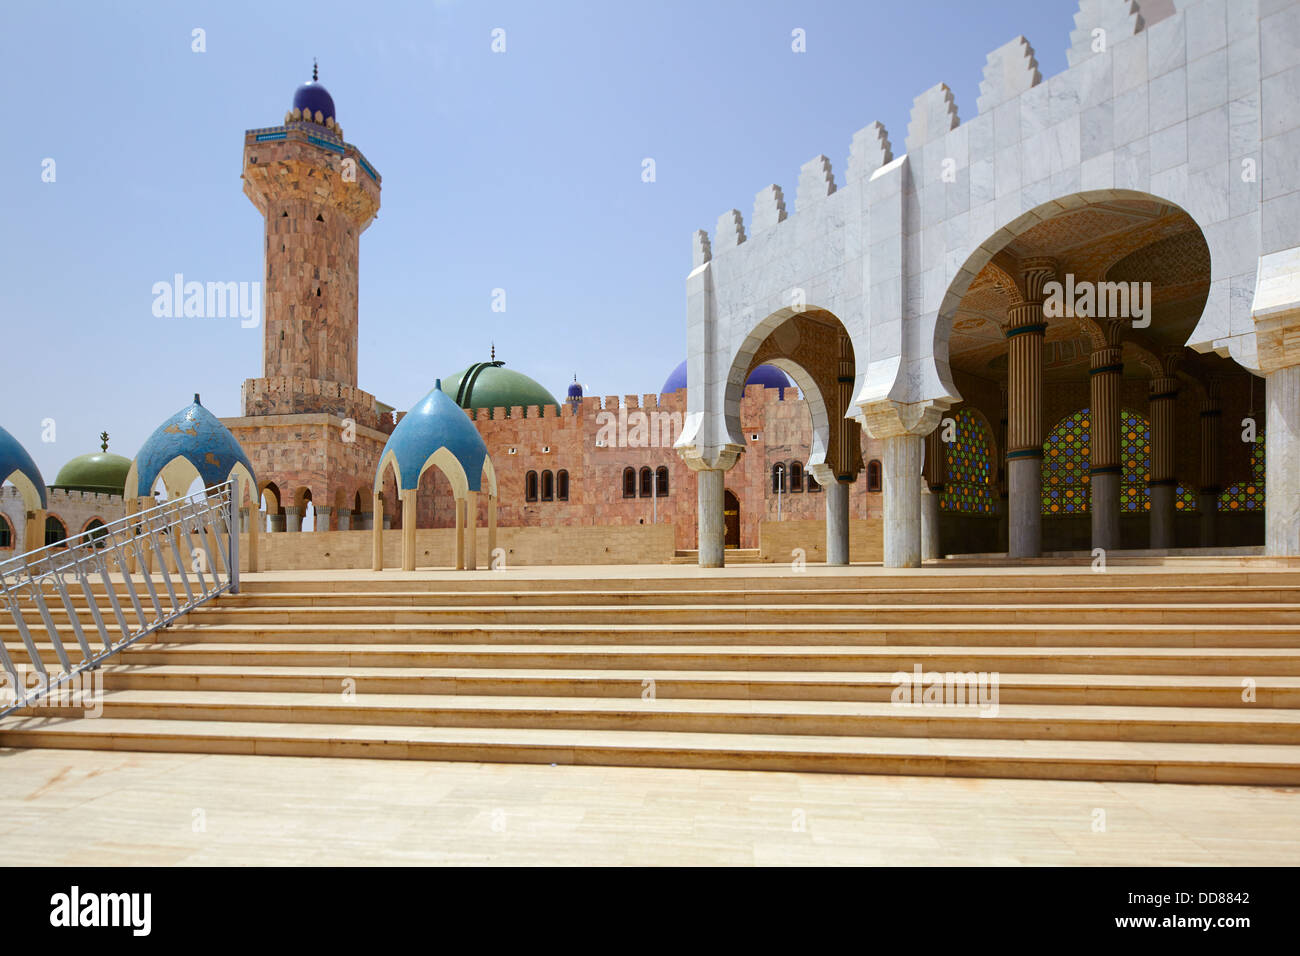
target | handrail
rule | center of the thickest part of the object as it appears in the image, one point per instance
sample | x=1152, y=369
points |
x=162, y=535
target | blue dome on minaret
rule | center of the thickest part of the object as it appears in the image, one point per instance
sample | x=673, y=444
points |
x=312, y=98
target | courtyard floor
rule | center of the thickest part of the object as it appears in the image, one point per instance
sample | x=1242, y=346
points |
x=65, y=807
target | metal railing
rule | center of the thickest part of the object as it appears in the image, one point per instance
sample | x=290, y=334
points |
x=188, y=546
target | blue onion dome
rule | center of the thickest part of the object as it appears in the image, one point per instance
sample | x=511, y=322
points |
x=312, y=103
x=769, y=376
x=15, y=463
x=435, y=422
x=197, y=436
x=575, y=390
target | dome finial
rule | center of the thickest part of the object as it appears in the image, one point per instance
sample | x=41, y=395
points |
x=494, y=351
x=103, y=441
x=314, y=77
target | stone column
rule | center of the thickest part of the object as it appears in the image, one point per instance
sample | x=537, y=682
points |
x=902, y=494
x=1276, y=310
x=323, y=516
x=837, y=523
x=1107, y=368
x=1282, y=461
x=460, y=534
x=377, y=535
x=712, y=525
x=845, y=455
x=292, y=519
x=492, y=529
x=344, y=520
x=276, y=521
x=932, y=494
x=1024, y=331
x=408, y=529
x=471, y=530
x=243, y=519
x=367, y=520
x=1002, y=503
x=1162, y=482
x=1207, y=499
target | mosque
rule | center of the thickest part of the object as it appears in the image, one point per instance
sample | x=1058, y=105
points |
x=897, y=363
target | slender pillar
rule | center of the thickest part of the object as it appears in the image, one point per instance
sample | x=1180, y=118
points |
x=1162, y=483
x=377, y=535
x=34, y=531
x=1107, y=367
x=1282, y=462
x=292, y=519
x=276, y=521
x=712, y=525
x=323, y=516
x=254, y=529
x=492, y=529
x=902, y=494
x=837, y=523
x=1025, y=330
x=936, y=460
x=1207, y=500
x=471, y=531
x=460, y=534
x=243, y=519
x=408, y=529
x=343, y=520
x=368, y=520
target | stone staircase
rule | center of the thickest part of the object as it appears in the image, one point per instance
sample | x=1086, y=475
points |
x=1128, y=675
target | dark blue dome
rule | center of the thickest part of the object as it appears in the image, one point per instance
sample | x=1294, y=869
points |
x=575, y=390
x=769, y=376
x=310, y=97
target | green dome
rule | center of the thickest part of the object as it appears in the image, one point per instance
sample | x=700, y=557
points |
x=492, y=385
x=102, y=471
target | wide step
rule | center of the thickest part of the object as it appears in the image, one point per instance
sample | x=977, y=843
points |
x=1188, y=673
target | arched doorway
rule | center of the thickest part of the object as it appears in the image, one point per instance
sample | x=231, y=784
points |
x=1087, y=305
x=731, y=519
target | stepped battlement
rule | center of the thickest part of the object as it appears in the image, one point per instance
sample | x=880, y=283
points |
x=1009, y=71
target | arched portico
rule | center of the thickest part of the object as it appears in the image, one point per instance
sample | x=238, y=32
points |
x=813, y=347
x=436, y=433
x=893, y=248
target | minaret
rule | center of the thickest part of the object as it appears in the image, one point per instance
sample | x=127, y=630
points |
x=317, y=194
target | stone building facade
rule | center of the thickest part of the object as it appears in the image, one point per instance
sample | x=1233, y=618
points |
x=68, y=513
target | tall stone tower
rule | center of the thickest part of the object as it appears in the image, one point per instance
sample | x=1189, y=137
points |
x=317, y=195
x=311, y=432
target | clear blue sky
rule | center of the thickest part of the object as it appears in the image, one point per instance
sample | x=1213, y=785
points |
x=519, y=170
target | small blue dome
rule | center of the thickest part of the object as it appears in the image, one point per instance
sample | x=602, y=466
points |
x=196, y=435
x=310, y=97
x=575, y=390
x=15, y=460
x=769, y=376
x=435, y=422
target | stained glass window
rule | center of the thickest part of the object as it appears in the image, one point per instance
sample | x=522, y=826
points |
x=1248, y=495
x=968, y=486
x=1135, y=456
x=1067, y=460
x=1185, y=499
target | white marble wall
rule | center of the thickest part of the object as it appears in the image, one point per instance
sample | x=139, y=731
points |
x=1196, y=103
